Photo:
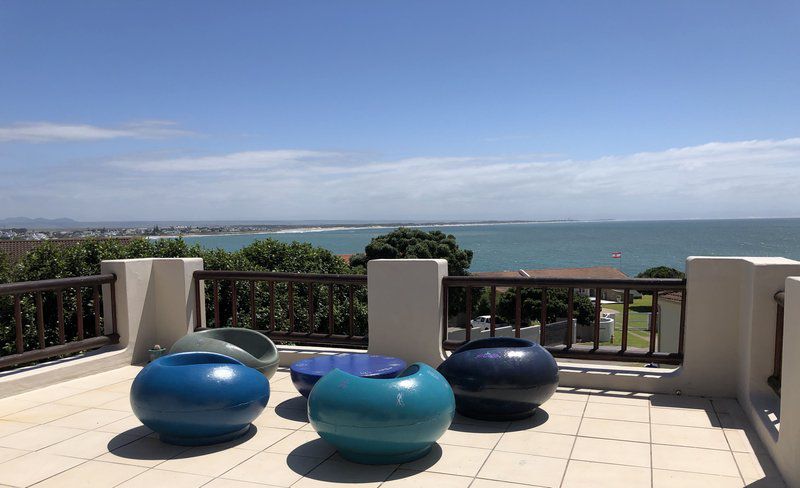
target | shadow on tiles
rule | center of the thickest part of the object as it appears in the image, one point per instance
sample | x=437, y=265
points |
x=132, y=450
x=293, y=409
x=340, y=470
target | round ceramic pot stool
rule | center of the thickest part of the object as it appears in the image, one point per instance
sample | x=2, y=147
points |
x=198, y=398
x=500, y=378
x=247, y=346
x=382, y=421
x=306, y=372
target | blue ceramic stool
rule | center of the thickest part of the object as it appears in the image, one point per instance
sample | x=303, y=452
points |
x=198, y=398
x=305, y=373
x=382, y=421
x=501, y=378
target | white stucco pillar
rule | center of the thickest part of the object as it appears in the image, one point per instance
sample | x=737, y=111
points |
x=405, y=308
x=155, y=301
x=787, y=452
x=135, y=300
x=714, y=294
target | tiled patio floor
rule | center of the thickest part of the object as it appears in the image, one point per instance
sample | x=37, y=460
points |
x=82, y=433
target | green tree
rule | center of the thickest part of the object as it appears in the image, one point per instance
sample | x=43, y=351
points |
x=407, y=243
x=49, y=261
x=295, y=257
x=661, y=272
x=531, y=306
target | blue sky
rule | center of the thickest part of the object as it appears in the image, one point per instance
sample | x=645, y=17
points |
x=399, y=110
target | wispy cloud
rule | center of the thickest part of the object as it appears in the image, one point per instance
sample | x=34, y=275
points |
x=227, y=162
x=38, y=132
x=719, y=179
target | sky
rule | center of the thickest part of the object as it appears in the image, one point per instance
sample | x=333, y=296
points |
x=399, y=110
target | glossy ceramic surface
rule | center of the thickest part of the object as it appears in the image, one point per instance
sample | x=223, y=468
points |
x=382, y=421
x=249, y=347
x=500, y=378
x=305, y=373
x=197, y=398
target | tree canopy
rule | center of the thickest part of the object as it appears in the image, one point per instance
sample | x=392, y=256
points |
x=661, y=272
x=557, y=301
x=406, y=243
x=50, y=260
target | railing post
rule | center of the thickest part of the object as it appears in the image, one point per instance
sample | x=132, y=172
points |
x=199, y=304
x=777, y=361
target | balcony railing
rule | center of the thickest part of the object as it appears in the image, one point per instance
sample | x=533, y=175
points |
x=559, y=333
x=775, y=379
x=45, y=328
x=286, y=306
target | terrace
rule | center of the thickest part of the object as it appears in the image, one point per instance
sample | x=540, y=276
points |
x=710, y=415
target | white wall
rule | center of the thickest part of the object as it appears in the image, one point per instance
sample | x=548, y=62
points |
x=669, y=325
x=155, y=301
x=406, y=308
x=786, y=448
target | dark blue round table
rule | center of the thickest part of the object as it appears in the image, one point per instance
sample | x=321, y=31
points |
x=306, y=372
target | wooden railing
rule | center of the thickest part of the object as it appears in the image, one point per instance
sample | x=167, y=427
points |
x=775, y=379
x=557, y=328
x=286, y=306
x=44, y=328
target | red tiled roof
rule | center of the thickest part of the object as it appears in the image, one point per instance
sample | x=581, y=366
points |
x=17, y=249
x=595, y=272
x=671, y=296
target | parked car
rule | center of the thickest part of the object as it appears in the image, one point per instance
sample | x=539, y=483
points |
x=485, y=322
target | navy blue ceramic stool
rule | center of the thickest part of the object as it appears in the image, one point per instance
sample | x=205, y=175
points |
x=197, y=398
x=500, y=378
x=306, y=372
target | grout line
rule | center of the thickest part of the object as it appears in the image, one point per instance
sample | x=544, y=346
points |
x=390, y=475
x=17, y=432
x=574, y=441
x=322, y=461
x=264, y=450
x=719, y=421
x=659, y=469
x=514, y=483
x=491, y=450
x=650, y=433
x=64, y=471
x=134, y=476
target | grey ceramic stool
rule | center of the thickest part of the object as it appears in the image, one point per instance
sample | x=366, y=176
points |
x=252, y=348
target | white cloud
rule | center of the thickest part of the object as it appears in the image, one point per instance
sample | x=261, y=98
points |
x=720, y=179
x=37, y=132
x=226, y=162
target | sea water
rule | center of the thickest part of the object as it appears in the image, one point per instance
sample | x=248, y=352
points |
x=643, y=244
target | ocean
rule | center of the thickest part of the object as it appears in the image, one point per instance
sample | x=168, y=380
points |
x=643, y=244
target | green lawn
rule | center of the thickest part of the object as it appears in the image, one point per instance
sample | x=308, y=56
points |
x=638, y=335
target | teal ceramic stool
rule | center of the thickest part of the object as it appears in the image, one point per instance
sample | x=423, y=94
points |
x=249, y=347
x=382, y=421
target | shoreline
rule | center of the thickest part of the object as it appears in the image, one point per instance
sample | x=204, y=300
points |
x=306, y=230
